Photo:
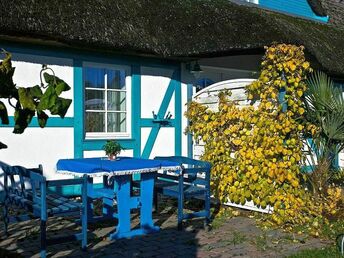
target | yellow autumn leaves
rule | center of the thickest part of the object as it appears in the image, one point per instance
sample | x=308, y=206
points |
x=256, y=152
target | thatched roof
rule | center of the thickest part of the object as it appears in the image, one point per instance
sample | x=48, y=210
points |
x=335, y=10
x=169, y=29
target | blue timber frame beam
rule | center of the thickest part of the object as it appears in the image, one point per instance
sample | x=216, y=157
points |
x=161, y=113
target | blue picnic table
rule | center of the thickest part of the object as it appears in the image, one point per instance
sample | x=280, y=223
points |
x=121, y=171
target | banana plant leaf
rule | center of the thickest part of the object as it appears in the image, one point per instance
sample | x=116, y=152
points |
x=324, y=105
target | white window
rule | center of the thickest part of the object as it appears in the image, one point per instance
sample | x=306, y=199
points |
x=107, y=101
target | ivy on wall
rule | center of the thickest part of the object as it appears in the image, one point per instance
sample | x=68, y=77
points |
x=256, y=151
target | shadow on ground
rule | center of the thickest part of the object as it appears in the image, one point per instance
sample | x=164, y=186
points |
x=229, y=237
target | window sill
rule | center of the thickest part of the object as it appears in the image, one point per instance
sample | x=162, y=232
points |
x=100, y=136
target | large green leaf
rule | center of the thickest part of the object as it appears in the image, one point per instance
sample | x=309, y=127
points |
x=22, y=118
x=36, y=92
x=42, y=118
x=3, y=146
x=61, y=106
x=48, y=99
x=26, y=99
x=50, y=79
x=7, y=87
x=3, y=114
x=60, y=85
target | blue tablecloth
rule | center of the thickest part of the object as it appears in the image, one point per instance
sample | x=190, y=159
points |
x=121, y=166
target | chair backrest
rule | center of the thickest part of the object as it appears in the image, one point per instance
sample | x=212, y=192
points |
x=18, y=179
x=195, y=172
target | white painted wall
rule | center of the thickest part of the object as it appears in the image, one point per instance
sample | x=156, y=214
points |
x=154, y=83
x=187, y=79
x=37, y=146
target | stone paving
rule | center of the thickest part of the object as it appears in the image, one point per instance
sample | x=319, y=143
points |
x=232, y=237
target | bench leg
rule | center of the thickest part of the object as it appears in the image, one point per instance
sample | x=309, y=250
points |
x=155, y=200
x=180, y=202
x=6, y=204
x=44, y=218
x=5, y=215
x=43, y=238
x=84, y=214
x=207, y=208
x=180, y=212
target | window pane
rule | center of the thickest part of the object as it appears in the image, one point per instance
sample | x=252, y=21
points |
x=95, y=122
x=116, y=79
x=116, y=122
x=94, y=77
x=116, y=100
x=94, y=100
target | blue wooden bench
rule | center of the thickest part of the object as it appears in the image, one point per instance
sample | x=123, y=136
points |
x=28, y=190
x=193, y=181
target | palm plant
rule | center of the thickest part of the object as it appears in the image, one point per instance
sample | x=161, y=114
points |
x=324, y=106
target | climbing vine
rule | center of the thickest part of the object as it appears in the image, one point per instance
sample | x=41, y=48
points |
x=256, y=151
x=27, y=102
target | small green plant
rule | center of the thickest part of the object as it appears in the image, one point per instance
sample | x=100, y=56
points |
x=238, y=238
x=221, y=218
x=112, y=149
x=262, y=242
x=327, y=252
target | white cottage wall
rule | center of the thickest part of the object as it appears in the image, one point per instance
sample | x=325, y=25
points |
x=154, y=84
x=45, y=146
x=187, y=91
x=37, y=146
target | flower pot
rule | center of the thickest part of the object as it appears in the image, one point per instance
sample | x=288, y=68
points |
x=112, y=157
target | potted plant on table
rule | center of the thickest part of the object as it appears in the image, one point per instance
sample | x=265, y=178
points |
x=112, y=149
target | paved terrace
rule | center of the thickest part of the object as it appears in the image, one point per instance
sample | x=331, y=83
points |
x=229, y=237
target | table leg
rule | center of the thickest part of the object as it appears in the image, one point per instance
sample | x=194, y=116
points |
x=125, y=203
x=108, y=210
x=122, y=187
x=89, y=199
x=146, y=198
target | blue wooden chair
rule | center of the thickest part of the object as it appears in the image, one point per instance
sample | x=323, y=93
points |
x=193, y=181
x=31, y=194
